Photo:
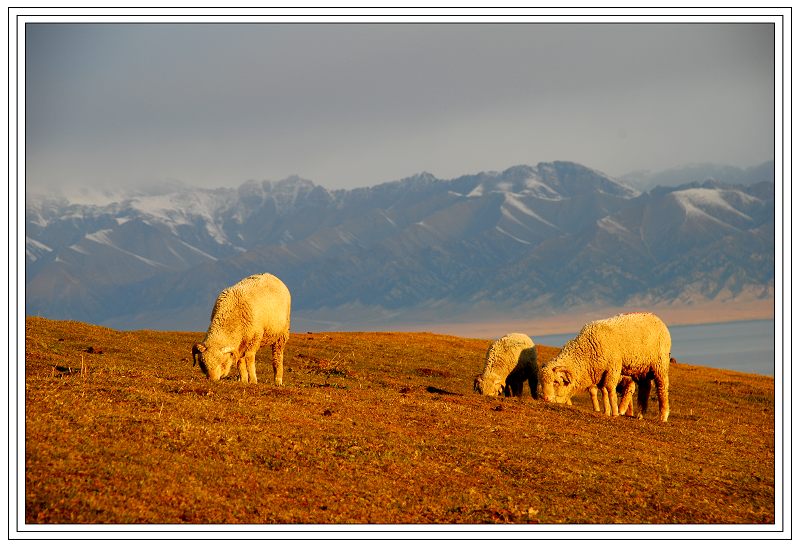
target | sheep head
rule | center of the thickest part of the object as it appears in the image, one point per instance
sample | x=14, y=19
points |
x=556, y=384
x=489, y=384
x=215, y=362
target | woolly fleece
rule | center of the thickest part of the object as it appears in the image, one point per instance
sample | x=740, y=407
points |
x=253, y=313
x=509, y=361
x=636, y=345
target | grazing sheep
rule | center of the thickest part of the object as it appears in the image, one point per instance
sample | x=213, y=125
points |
x=634, y=344
x=253, y=313
x=510, y=361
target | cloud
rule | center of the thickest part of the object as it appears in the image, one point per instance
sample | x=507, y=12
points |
x=357, y=104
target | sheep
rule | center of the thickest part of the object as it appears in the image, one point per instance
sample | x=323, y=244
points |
x=634, y=344
x=250, y=314
x=510, y=361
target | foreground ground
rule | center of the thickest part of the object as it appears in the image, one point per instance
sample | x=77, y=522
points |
x=370, y=428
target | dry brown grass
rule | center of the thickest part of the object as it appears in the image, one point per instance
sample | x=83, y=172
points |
x=370, y=428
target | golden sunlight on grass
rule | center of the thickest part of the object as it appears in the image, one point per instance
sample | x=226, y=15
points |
x=371, y=428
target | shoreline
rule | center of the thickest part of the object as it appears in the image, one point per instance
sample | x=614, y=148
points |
x=571, y=322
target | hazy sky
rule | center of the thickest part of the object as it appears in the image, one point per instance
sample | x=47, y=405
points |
x=350, y=105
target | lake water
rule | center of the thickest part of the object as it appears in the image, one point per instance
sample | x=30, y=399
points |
x=744, y=346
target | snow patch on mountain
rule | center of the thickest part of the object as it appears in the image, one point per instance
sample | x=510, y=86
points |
x=537, y=188
x=476, y=192
x=612, y=226
x=101, y=237
x=713, y=198
x=514, y=201
x=699, y=201
x=389, y=220
x=34, y=249
x=199, y=251
x=180, y=209
x=515, y=238
x=78, y=248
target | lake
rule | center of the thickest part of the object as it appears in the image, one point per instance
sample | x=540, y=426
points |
x=744, y=346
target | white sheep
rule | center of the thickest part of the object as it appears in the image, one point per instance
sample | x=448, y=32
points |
x=510, y=361
x=634, y=344
x=251, y=314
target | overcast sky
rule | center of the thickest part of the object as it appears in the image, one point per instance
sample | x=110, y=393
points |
x=355, y=105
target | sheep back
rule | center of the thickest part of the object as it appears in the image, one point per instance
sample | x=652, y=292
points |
x=258, y=306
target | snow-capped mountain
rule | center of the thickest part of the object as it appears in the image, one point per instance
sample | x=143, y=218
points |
x=554, y=235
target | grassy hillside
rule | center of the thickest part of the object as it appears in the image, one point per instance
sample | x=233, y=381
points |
x=370, y=428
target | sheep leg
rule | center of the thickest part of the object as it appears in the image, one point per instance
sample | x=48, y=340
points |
x=515, y=386
x=610, y=396
x=612, y=392
x=662, y=388
x=626, y=404
x=595, y=402
x=644, y=395
x=242, y=364
x=533, y=380
x=277, y=361
x=251, y=366
x=606, y=402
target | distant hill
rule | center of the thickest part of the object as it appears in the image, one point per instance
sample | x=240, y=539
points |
x=530, y=239
x=646, y=180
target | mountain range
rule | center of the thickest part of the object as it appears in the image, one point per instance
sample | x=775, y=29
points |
x=530, y=239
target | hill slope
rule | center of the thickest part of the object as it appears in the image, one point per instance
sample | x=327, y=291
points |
x=371, y=428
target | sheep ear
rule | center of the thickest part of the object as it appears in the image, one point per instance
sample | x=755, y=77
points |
x=565, y=373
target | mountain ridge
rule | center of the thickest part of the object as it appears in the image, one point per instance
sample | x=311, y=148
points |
x=645, y=180
x=547, y=237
